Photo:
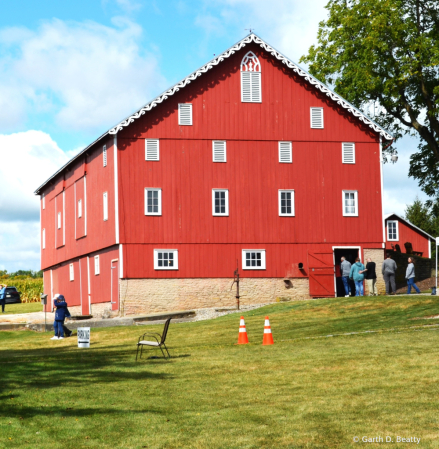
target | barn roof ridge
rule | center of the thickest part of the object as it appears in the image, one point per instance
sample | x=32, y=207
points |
x=251, y=37
x=409, y=223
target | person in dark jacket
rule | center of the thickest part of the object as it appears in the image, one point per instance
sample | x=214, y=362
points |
x=410, y=276
x=371, y=277
x=61, y=313
x=388, y=270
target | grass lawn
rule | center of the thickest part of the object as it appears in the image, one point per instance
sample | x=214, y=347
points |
x=23, y=308
x=308, y=390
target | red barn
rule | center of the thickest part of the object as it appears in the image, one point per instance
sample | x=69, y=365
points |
x=249, y=160
x=400, y=231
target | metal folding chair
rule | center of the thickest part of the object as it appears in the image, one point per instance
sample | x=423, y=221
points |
x=157, y=343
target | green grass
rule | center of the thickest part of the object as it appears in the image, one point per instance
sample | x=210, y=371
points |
x=307, y=390
x=23, y=308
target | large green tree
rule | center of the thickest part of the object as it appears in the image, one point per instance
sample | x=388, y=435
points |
x=383, y=57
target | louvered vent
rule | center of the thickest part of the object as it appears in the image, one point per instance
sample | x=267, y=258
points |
x=251, y=87
x=219, y=151
x=104, y=152
x=285, y=152
x=348, y=150
x=185, y=114
x=317, y=118
x=152, y=152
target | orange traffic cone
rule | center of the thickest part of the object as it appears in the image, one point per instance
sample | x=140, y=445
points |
x=268, y=336
x=242, y=338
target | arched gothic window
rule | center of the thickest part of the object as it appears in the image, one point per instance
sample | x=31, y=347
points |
x=251, y=79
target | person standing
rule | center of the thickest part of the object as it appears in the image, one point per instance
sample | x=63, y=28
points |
x=357, y=274
x=371, y=277
x=3, y=296
x=389, y=270
x=410, y=276
x=60, y=315
x=345, y=269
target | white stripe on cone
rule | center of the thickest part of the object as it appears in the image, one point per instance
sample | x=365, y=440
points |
x=241, y=323
x=267, y=322
x=242, y=329
x=267, y=331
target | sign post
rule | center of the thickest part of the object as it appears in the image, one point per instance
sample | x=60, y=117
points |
x=44, y=303
x=437, y=243
x=83, y=337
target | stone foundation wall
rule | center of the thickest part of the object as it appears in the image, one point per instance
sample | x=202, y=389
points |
x=143, y=296
x=97, y=310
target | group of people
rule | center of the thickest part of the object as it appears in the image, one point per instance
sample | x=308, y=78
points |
x=358, y=273
x=61, y=313
x=3, y=296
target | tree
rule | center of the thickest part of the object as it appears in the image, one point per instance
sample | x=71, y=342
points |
x=421, y=216
x=383, y=57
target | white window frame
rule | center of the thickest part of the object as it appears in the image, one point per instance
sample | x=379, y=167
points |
x=104, y=156
x=105, y=204
x=226, y=213
x=181, y=106
x=59, y=220
x=289, y=149
x=263, y=262
x=396, y=229
x=80, y=208
x=97, y=266
x=156, y=262
x=153, y=189
x=43, y=198
x=343, y=146
x=216, y=142
x=310, y=117
x=71, y=272
x=158, y=150
x=355, y=214
x=292, y=203
x=254, y=77
x=44, y=239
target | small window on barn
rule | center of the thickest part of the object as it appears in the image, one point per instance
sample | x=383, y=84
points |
x=220, y=202
x=72, y=272
x=392, y=230
x=185, y=114
x=79, y=208
x=153, y=201
x=286, y=203
x=286, y=152
x=43, y=199
x=251, y=79
x=166, y=259
x=317, y=118
x=44, y=239
x=105, y=203
x=219, y=151
x=59, y=220
x=97, y=266
x=104, y=155
x=253, y=259
x=350, y=203
x=348, y=152
x=152, y=150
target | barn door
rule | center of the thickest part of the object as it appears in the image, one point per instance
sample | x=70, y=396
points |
x=321, y=274
x=115, y=284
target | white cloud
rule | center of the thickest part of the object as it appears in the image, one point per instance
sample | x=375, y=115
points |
x=87, y=75
x=289, y=25
x=27, y=160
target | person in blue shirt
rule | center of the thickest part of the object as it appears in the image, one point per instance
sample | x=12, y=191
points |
x=61, y=313
x=357, y=275
x=3, y=296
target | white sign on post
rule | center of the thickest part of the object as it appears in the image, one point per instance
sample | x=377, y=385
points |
x=83, y=337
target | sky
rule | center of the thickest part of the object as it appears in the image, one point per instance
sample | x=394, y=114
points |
x=69, y=71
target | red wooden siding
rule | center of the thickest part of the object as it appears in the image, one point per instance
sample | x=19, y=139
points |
x=91, y=180
x=419, y=241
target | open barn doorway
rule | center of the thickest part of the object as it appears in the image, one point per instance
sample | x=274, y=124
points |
x=350, y=254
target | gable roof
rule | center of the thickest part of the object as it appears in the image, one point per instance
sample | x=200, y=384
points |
x=409, y=223
x=252, y=37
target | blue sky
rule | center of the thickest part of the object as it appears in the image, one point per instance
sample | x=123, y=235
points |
x=71, y=70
